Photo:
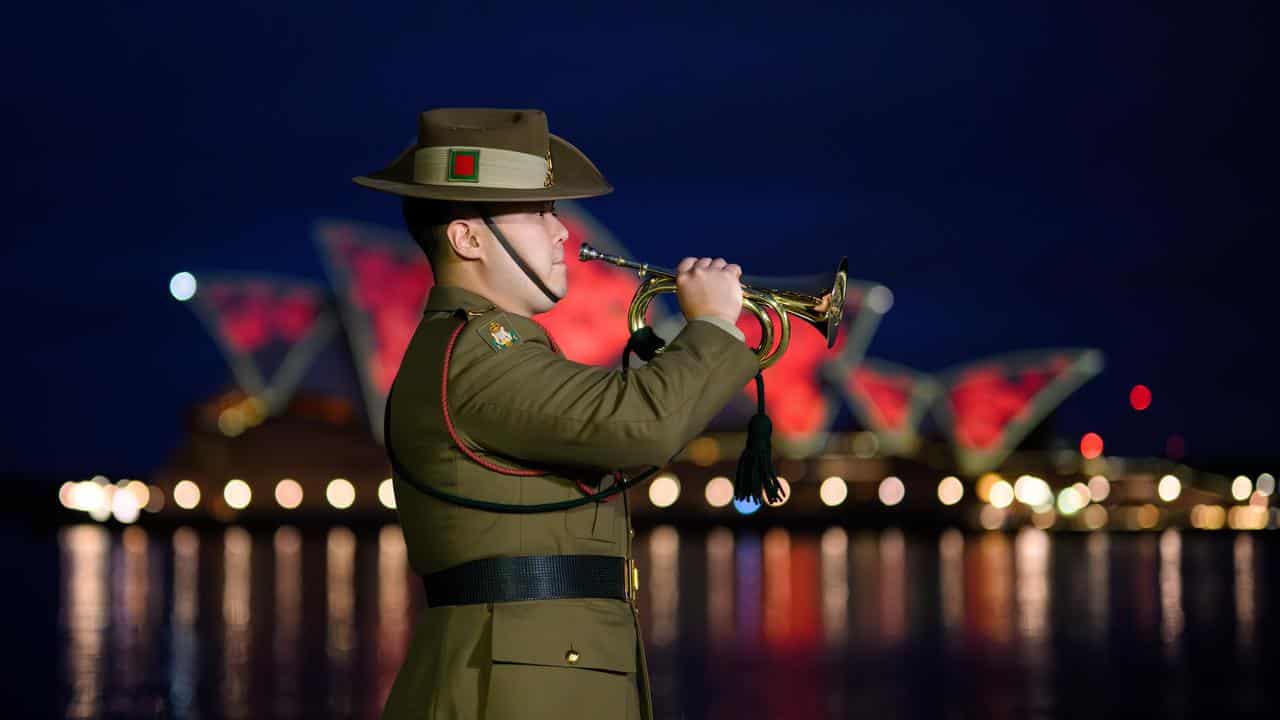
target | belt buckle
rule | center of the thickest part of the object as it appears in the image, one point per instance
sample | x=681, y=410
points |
x=630, y=581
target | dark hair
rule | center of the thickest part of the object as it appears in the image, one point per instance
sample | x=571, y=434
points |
x=422, y=215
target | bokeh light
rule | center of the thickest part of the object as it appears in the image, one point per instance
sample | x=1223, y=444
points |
x=289, y=493
x=186, y=494
x=1169, y=488
x=1140, y=397
x=1241, y=487
x=182, y=286
x=1001, y=495
x=340, y=493
x=664, y=490
x=785, y=493
x=1099, y=488
x=719, y=491
x=891, y=491
x=1091, y=445
x=387, y=493
x=833, y=491
x=1033, y=491
x=237, y=494
x=1070, y=501
x=950, y=490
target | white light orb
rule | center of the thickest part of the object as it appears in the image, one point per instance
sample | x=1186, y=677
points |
x=1001, y=494
x=833, y=491
x=950, y=490
x=891, y=491
x=387, y=494
x=186, y=494
x=182, y=286
x=237, y=494
x=719, y=491
x=1099, y=488
x=340, y=493
x=664, y=490
x=288, y=493
x=125, y=507
x=1241, y=487
x=1169, y=488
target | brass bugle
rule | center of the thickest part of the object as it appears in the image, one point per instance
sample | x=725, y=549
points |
x=822, y=311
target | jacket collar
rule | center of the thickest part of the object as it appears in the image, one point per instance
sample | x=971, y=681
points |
x=446, y=298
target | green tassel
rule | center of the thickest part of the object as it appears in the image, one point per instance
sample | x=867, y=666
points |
x=756, y=479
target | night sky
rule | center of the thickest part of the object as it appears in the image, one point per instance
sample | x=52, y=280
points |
x=1020, y=176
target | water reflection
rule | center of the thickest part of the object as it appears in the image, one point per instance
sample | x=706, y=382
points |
x=797, y=624
x=340, y=561
x=237, y=549
x=664, y=584
x=893, y=586
x=1098, y=585
x=747, y=593
x=1246, y=610
x=287, y=545
x=989, y=590
x=720, y=586
x=1171, y=615
x=1031, y=550
x=84, y=561
x=835, y=588
x=951, y=582
x=184, y=640
x=777, y=587
x=393, y=610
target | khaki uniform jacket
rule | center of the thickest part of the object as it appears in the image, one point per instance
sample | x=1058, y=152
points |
x=522, y=405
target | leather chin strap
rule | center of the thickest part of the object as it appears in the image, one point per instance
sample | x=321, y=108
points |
x=520, y=261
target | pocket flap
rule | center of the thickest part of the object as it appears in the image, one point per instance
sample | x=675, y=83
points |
x=592, y=632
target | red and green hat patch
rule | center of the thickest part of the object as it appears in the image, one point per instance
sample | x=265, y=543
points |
x=464, y=166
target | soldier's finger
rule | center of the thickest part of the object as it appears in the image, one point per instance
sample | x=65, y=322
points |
x=718, y=263
x=703, y=263
x=686, y=265
x=735, y=269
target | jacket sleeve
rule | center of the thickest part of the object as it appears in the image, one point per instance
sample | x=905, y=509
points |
x=529, y=403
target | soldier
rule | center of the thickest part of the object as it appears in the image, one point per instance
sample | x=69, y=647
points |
x=529, y=614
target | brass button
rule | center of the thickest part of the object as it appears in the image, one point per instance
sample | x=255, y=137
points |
x=631, y=532
x=571, y=657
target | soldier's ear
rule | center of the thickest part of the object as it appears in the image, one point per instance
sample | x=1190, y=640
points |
x=463, y=238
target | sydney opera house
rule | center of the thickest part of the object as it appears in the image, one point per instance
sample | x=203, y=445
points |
x=297, y=431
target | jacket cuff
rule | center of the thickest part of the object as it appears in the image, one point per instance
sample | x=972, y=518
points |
x=723, y=325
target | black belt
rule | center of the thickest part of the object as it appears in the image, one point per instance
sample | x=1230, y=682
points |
x=531, y=577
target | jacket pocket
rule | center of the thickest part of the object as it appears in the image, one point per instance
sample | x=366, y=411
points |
x=564, y=659
x=588, y=633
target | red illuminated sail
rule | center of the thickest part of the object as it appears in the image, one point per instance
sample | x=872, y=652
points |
x=269, y=328
x=989, y=406
x=381, y=278
x=889, y=399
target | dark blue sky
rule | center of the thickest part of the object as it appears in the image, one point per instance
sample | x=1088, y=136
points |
x=1020, y=176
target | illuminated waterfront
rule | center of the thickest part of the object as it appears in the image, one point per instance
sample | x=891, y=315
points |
x=743, y=623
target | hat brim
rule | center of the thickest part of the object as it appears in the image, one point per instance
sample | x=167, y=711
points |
x=575, y=177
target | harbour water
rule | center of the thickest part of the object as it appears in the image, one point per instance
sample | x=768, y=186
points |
x=773, y=623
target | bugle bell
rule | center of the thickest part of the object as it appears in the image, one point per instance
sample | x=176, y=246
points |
x=822, y=311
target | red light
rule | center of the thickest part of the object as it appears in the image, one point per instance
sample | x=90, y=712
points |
x=1091, y=445
x=1140, y=397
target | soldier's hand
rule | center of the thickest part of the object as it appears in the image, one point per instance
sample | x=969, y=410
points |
x=709, y=287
